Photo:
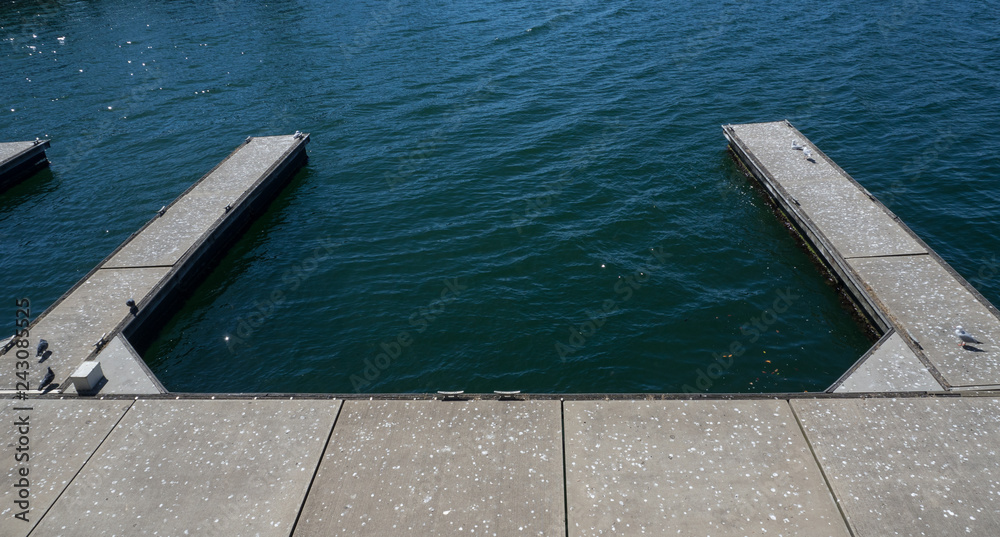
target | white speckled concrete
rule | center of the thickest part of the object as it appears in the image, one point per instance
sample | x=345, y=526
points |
x=62, y=435
x=168, y=237
x=401, y=468
x=9, y=150
x=924, y=466
x=928, y=301
x=906, y=466
x=720, y=468
x=123, y=370
x=93, y=309
x=908, y=287
x=97, y=306
x=854, y=223
x=198, y=468
x=892, y=367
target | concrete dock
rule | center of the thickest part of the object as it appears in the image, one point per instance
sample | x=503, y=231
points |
x=20, y=160
x=156, y=266
x=817, y=465
x=903, y=444
x=905, y=288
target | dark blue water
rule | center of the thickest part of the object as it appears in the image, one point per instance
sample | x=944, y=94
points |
x=500, y=195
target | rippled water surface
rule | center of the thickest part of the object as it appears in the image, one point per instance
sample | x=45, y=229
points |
x=500, y=195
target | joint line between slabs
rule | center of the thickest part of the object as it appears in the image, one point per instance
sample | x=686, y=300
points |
x=82, y=466
x=312, y=480
x=915, y=254
x=822, y=472
x=562, y=418
x=133, y=267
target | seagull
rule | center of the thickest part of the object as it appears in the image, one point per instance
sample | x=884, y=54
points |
x=965, y=336
x=42, y=345
x=47, y=379
x=796, y=146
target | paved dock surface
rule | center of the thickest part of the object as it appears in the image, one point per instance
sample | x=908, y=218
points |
x=20, y=160
x=806, y=467
x=427, y=468
x=849, y=463
x=147, y=267
x=906, y=287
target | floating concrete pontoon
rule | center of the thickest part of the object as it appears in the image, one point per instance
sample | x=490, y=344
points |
x=807, y=465
x=20, y=160
x=902, y=285
x=157, y=265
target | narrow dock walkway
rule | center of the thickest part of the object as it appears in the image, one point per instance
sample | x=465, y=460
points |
x=20, y=160
x=92, y=322
x=909, y=292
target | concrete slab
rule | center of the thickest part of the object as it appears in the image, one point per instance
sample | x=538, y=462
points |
x=9, y=150
x=19, y=160
x=95, y=308
x=920, y=466
x=854, y=223
x=222, y=467
x=892, y=367
x=62, y=435
x=431, y=468
x=170, y=236
x=715, y=468
x=925, y=299
x=124, y=371
x=254, y=159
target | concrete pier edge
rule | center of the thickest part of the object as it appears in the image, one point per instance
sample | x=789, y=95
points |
x=857, y=288
x=181, y=276
x=859, y=464
x=21, y=160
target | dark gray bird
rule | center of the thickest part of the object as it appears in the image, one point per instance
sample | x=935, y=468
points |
x=47, y=379
x=965, y=336
x=42, y=345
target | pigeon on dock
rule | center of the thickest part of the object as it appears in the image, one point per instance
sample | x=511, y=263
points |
x=47, y=379
x=965, y=336
x=42, y=345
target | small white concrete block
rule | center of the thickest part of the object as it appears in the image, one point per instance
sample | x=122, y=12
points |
x=86, y=377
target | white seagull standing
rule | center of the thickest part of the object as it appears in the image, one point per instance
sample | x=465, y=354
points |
x=965, y=336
